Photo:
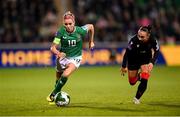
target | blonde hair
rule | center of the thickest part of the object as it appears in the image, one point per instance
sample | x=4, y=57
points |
x=69, y=15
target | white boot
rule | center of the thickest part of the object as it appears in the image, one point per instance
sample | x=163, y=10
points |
x=136, y=101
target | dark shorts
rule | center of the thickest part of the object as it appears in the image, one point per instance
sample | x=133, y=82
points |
x=135, y=63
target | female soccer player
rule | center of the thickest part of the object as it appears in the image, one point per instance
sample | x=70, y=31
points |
x=141, y=54
x=69, y=37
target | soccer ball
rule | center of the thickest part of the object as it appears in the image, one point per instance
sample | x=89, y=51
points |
x=62, y=99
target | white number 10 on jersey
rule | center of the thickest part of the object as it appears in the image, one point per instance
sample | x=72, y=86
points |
x=72, y=42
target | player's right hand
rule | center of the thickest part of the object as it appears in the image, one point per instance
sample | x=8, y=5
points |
x=61, y=55
x=123, y=71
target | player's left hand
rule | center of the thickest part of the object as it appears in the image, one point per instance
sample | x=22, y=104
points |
x=123, y=71
x=91, y=45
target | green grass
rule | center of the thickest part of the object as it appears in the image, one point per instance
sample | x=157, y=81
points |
x=93, y=91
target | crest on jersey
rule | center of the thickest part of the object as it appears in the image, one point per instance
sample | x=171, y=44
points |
x=78, y=37
x=129, y=45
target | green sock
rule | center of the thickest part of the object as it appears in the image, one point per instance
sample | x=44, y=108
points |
x=61, y=82
x=56, y=83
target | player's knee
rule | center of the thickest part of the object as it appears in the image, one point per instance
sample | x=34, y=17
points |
x=65, y=75
x=145, y=68
x=145, y=75
x=132, y=80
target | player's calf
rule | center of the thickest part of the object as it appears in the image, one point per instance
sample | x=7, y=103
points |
x=141, y=88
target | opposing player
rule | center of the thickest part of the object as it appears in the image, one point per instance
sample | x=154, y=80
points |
x=69, y=38
x=139, y=58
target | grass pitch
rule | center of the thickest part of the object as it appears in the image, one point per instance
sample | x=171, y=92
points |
x=93, y=91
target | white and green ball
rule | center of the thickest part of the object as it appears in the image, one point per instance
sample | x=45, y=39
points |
x=62, y=99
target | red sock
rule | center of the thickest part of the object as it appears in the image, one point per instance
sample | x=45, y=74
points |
x=145, y=75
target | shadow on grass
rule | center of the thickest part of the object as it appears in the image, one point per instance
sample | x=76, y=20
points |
x=105, y=107
x=166, y=104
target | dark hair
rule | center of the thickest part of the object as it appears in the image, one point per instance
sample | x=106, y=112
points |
x=146, y=28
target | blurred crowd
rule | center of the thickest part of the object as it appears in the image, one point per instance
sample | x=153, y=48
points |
x=118, y=20
x=24, y=21
x=114, y=20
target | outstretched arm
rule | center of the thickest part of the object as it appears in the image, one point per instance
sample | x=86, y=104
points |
x=91, y=35
x=125, y=57
x=124, y=62
x=155, y=52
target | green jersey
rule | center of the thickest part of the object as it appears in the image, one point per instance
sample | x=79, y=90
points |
x=71, y=43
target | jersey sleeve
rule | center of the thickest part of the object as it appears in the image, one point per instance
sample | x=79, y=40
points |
x=131, y=44
x=57, y=37
x=129, y=48
x=84, y=30
x=85, y=27
x=125, y=57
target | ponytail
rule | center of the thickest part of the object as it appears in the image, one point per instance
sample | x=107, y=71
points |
x=147, y=29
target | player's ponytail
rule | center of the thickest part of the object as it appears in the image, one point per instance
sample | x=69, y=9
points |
x=147, y=29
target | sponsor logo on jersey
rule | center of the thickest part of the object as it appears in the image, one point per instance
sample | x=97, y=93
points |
x=64, y=37
x=143, y=51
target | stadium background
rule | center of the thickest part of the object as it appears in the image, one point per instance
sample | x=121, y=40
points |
x=27, y=29
x=27, y=70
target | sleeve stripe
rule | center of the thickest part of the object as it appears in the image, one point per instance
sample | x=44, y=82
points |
x=56, y=40
x=85, y=27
